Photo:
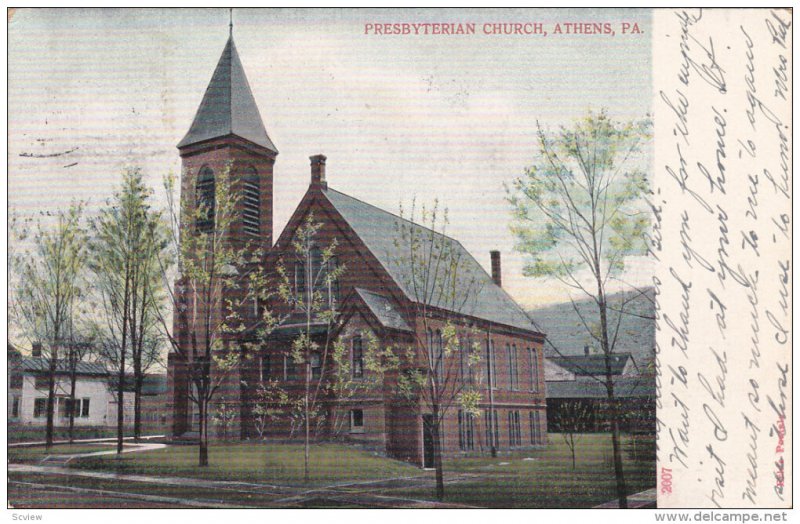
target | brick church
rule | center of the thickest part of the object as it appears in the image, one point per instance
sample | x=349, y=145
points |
x=372, y=295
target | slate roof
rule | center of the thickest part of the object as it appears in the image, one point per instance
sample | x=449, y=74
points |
x=42, y=365
x=228, y=106
x=567, y=335
x=381, y=233
x=384, y=311
x=640, y=386
x=592, y=364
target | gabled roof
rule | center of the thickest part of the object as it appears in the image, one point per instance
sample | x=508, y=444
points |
x=383, y=310
x=380, y=230
x=228, y=106
x=595, y=365
x=42, y=365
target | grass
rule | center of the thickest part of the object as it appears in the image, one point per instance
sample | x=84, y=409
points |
x=257, y=462
x=547, y=481
x=22, y=433
x=256, y=499
x=37, y=453
x=116, y=485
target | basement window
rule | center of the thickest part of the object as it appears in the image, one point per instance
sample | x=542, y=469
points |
x=356, y=421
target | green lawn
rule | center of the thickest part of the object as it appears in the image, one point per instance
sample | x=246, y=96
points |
x=547, y=481
x=22, y=433
x=37, y=453
x=257, y=462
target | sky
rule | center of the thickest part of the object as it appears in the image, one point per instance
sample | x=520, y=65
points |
x=400, y=117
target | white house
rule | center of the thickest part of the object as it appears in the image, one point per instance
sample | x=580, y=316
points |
x=94, y=404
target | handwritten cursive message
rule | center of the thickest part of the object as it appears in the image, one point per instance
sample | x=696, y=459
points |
x=722, y=240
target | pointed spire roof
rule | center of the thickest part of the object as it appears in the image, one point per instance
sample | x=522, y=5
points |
x=228, y=107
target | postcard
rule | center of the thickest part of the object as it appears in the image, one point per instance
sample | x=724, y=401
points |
x=400, y=258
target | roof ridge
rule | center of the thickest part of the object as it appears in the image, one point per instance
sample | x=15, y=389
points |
x=395, y=215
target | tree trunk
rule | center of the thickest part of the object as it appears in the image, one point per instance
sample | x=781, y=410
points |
x=51, y=397
x=437, y=454
x=619, y=473
x=72, y=380
x=121, y=404
x=137, y=406
x=572, y=449
x=203, y=457
x=306, y=475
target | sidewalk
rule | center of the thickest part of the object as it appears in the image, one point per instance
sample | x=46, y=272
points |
x=291, y=496
x=78, y=441
x=644, y=499
x=127, y=448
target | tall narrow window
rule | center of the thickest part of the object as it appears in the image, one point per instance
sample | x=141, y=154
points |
x=514, y=429
x=39, y=407
x=534, y=368
x=438, y=354
x=358, y=358
x=464, y=359
x=251, y=202
x=300, y=282
x=205, y=199
x=15, y=407
x=536, y=431
x=491, y=370
x=266, y=367
x=316, y=365
x=514, y=371
x=85, y=408
x=466, y=440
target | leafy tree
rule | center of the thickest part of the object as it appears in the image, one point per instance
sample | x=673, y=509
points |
x=50, y=285
x=436, y=369
x=217, y=280
x=311, y=291
x=579, y=210
x=128, y=238
x=571, y=418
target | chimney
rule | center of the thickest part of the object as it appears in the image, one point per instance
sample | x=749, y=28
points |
x=36, y=350
x=496, y=272
x=318, y=172
x=586, y=350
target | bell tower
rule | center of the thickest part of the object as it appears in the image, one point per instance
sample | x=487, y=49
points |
x=226, y=135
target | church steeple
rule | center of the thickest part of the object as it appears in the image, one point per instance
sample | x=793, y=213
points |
x=228, y=107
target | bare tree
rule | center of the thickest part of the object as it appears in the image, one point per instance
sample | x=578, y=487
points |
x=311, y=287
x=580, y=210
x=571, y=418
x=443, y=287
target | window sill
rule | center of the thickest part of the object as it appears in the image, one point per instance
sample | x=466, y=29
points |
x=356, y=431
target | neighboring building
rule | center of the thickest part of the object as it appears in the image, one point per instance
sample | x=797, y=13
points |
x=372, y=295
x=575, y=371
x=28, y=389
x=95, y=405
x=154, y=404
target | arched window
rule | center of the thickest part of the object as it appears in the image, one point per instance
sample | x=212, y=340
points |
x=251, y=202
x=204, y=199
